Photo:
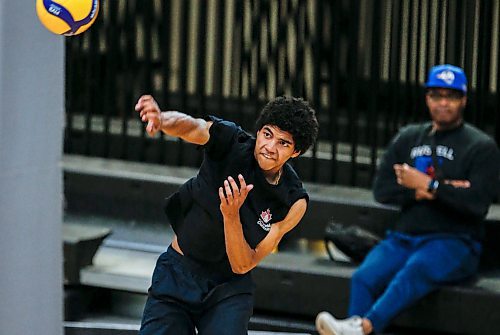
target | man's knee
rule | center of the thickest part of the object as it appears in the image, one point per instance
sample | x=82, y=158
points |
x=364, y=277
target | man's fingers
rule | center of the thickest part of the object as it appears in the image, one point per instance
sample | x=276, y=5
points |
x=234, y=186
x=244, y=188
x=145, y=98
x=142, y=101
x=229, y=193
x=222, y=196
x=243, y=183
x=458, y=183
x=150, y=127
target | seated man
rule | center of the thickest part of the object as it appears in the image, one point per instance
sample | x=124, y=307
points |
x=444, y=176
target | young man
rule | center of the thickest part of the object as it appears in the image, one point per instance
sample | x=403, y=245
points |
x=444, y=176
x=227, y=218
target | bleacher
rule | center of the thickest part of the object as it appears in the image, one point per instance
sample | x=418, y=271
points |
x=293, y=285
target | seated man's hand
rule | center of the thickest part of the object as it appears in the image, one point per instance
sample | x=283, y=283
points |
x=410, y=177
x=458, y=183
x=424, y=195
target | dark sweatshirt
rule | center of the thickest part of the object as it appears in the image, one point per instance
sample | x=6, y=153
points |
x=462, y=153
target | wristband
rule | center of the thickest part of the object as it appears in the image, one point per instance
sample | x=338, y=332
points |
x=433, y=185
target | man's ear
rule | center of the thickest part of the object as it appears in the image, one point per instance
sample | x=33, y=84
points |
x=295, y=154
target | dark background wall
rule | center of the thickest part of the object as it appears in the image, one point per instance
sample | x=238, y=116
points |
x=360, y=63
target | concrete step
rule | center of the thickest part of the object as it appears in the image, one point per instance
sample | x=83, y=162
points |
x=113, y=328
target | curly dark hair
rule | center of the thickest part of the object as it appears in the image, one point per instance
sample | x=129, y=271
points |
x=293, y=115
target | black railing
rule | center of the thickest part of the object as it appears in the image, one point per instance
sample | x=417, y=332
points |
x=361, y=64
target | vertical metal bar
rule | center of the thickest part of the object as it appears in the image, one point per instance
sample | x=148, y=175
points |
x=421, y=74
x=373, y=105
x=413, y=63
x=317, y=30
x=298, y=83
x=333, y=91
x=454, y=32
x=165, y=57
x=496, y=110
x=201, y=66
x=255, y=56
x=184, y=34
x=147, y=15
x=281, y=51
x=73, y=52
x=148, y=49
x=219, y=68
x=201, y=57
x=405, y=54
x=442, y=22
x=243, y=59
x=469, y=53
x=483, y=61
x=262, y=41
x=165, y=49
x=459, y=32
x=287, y=74
x=392, y=116
x=428, y=36
x=441, y=12
x=92, y=71
x=111, y=56
x=269, y=60
x=352, y=95
x=410, y=65
x=130, y=68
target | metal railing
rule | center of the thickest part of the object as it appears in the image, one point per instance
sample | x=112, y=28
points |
x=361, y=64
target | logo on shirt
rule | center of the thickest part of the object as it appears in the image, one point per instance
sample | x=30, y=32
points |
x=426, y=150
x=422, y=156
x=265, y=218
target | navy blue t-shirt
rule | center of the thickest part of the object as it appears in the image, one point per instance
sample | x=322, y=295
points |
x=194, y=211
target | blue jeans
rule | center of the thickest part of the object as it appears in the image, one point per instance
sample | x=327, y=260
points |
x=185, y=295
x=402, y=269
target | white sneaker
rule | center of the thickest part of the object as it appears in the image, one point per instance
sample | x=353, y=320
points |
x=326, y=324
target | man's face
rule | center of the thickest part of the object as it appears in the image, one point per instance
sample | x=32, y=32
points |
x=273, y=148
x=445, y=106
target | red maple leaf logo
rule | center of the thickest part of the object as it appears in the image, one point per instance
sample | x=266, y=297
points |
x=266, y=216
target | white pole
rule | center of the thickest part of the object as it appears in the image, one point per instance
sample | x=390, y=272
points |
x=31, y=130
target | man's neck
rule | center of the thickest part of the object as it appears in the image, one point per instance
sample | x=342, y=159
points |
x=444, y=127
x=274, y=177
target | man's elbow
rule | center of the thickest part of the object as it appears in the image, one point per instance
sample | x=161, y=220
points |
x=241, y=269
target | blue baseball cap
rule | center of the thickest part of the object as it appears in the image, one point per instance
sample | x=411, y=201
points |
x=447, y=76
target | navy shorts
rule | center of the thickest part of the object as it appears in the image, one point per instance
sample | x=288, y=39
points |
x=185, y=295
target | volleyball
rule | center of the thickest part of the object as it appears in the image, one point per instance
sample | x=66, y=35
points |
x=67, y=17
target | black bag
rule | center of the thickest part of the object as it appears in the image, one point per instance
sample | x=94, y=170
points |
x=354, y=241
